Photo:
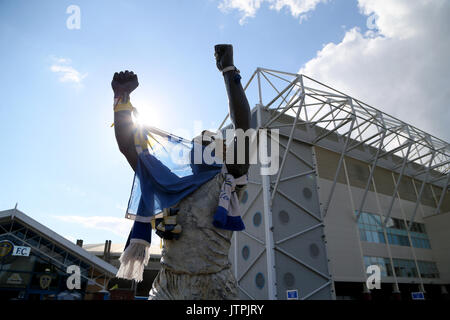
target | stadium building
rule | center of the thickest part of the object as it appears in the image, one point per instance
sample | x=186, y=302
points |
x=36, y=262
x=356, y=187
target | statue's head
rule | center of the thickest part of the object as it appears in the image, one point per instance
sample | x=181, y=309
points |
x=209, y=144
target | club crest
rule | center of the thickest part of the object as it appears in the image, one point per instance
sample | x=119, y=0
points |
x=6, y=247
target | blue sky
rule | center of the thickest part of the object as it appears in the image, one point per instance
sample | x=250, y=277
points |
x=59, y=158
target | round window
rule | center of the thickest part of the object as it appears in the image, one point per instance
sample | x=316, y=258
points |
x=314, y=250
x=257, y=218
x=283, y=216
x=307, y=193
x=245, y=252
x=244, y=197
x=259, y=280
x=289, y=279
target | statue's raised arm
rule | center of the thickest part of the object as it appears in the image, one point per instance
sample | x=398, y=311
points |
x=238, y=105
x=123, y=83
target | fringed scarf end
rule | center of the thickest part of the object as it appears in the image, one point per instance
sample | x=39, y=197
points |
x=133, y=260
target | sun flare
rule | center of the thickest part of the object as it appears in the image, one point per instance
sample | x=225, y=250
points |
x=147, y=114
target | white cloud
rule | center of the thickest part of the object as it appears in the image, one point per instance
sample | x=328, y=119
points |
x=66, y=72
x=61, y=60
x=248, y=8
x=118, y=226
x=401, y=67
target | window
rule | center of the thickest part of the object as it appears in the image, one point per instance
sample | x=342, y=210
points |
x=371, y=230
x=244, y=197
x=383, y=263
x=259, y=280
x=405, y=268
x=245, y=252
x=257, y=218
x=428, y=269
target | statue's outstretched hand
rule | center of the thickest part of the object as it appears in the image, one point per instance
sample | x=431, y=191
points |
x=224, y=56
x=123, y=83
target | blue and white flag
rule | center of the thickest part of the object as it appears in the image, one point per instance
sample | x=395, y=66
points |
x=169, y=168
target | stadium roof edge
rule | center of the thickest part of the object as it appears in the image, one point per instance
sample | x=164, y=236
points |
x=70, y=246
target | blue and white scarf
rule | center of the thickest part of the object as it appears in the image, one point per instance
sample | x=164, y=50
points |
x=160, y=183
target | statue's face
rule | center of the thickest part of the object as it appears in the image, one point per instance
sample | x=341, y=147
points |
x=207, y=139
x=215, y=152
x=220, y=154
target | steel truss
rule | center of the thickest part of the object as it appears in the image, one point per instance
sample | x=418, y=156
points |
x=21, y=235
x=338, y=122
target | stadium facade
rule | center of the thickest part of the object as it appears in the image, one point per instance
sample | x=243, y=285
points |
x=356, y=187
x=36, y=263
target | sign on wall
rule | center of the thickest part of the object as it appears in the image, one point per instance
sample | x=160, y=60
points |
x=21, y=251
x=417, y=296
x=14, y=279
x=44, y=281
x=8, y=248
x=292, y=294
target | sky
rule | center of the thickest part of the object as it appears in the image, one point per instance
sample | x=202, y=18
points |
x=59, y=158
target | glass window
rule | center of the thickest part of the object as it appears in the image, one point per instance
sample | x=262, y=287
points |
x=259, y=280
x=405, y=268
x=366, y=218
x=381, y=236
x=428, y=269
x=377, y=219
x=377, y=237
x=362, y=235
x=244, y=197
x=371, y=220
x=383, y=263
x=366, y=261
x=388, y=267
x=371, y=230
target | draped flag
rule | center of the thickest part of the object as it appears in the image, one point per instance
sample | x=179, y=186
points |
x=166, y=173
x=169, y=168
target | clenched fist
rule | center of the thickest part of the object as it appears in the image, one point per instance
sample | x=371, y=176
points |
x=123, y=83
x=224, y=56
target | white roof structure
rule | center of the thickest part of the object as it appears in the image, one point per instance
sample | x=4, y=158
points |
x=17, y=215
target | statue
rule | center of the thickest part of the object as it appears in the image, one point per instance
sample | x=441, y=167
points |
x=194, y=262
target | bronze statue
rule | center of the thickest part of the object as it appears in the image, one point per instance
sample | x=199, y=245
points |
x=196, y=265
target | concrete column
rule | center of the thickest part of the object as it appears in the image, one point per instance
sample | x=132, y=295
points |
x=422, y=289
x=367, y=296
x=444, y=289
x=396, y=292
x=444, y=293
